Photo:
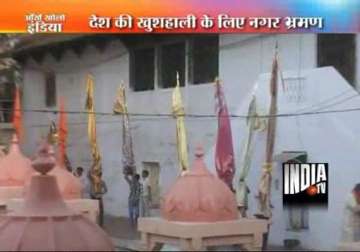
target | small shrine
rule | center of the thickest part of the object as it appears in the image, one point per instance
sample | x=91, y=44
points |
x=69, y=185
x=70, y=188
x=44, y=222
x=15, y=170
x=199, y=196
x=200, y=211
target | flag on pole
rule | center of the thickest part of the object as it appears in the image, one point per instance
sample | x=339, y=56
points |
x=242, y=189
x=179, y=113
x=53, y=136
x=63, y=132
x=224, y=151
x=96, y=169
x=17, y=117
x=120, y=107
x=264, y=196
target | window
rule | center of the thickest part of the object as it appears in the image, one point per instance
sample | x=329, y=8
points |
x=143, y=69
x=298, y=218
x=172, y=60
x=204, y=59
x=154, y=62
x=338, y=50
x=50, y=89
x=7, y=92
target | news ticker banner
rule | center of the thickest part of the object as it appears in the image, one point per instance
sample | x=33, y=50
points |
x=179, y=16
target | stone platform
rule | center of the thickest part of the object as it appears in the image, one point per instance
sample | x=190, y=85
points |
x=246, y=232
x=87, y=207
x=349, y=246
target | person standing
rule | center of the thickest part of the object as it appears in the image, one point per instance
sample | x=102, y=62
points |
x=134, y=197
x=98, y=195
x=146, y=195
x=351, y=225
x=79, y=173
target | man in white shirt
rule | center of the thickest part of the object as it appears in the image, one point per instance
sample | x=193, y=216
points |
x=79, y=173
x=146, y=194
x=351, y=226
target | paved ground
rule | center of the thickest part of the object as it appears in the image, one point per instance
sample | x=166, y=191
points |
x=126, y=237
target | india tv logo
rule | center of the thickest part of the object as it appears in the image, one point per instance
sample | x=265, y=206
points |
x=305, y=184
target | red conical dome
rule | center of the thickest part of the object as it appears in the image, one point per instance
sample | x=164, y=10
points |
x=199, y=196
x=15, y=168
x=46, y=223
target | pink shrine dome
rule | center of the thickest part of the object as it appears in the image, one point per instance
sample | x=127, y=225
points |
x=15, y=168
x=70, y=186
x=199, y=196
x=46, y=223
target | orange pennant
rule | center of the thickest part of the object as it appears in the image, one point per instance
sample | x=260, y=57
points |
x=17, y=117
x=63, y=131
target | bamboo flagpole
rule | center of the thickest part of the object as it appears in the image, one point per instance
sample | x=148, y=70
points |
x=120, y=107
x=264, y=195
x=179, y=113
x=96, y=169
x=242, y=188
x=98, y=187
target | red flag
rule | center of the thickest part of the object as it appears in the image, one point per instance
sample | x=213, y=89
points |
x=63, y=131
x=17, y=117
x=224, y=152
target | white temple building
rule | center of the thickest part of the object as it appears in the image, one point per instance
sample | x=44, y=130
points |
x=56, y=66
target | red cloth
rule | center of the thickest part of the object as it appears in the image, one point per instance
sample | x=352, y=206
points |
x=17, y=117
x=63, y=132
x=224, y=152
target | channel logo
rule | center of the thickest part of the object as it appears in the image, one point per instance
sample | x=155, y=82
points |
x=305, y=184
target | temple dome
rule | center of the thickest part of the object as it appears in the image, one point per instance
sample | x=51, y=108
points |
x=199, y=196
x=15, y=168
x=46, y=223
x=69, y=185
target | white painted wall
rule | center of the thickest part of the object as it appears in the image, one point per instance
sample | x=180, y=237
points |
x=242, y=58
x=357, y=62
x=330, y=138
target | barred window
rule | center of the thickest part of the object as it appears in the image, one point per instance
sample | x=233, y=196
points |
x=204, y=59
x=50, y=89
x=338, y=50
x=7, y=91
x=172, y=60
x=142, y=75
x=298, y=218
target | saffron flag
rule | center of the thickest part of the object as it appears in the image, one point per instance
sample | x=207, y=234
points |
x=63, y=132
x=17, y=117
x=178, y=112
x=224, y=152
x=96, y=169
x=264, y=206
x=52, y=136
x=120, y=107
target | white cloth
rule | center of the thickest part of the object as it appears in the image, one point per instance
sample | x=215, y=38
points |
x=351, y=225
